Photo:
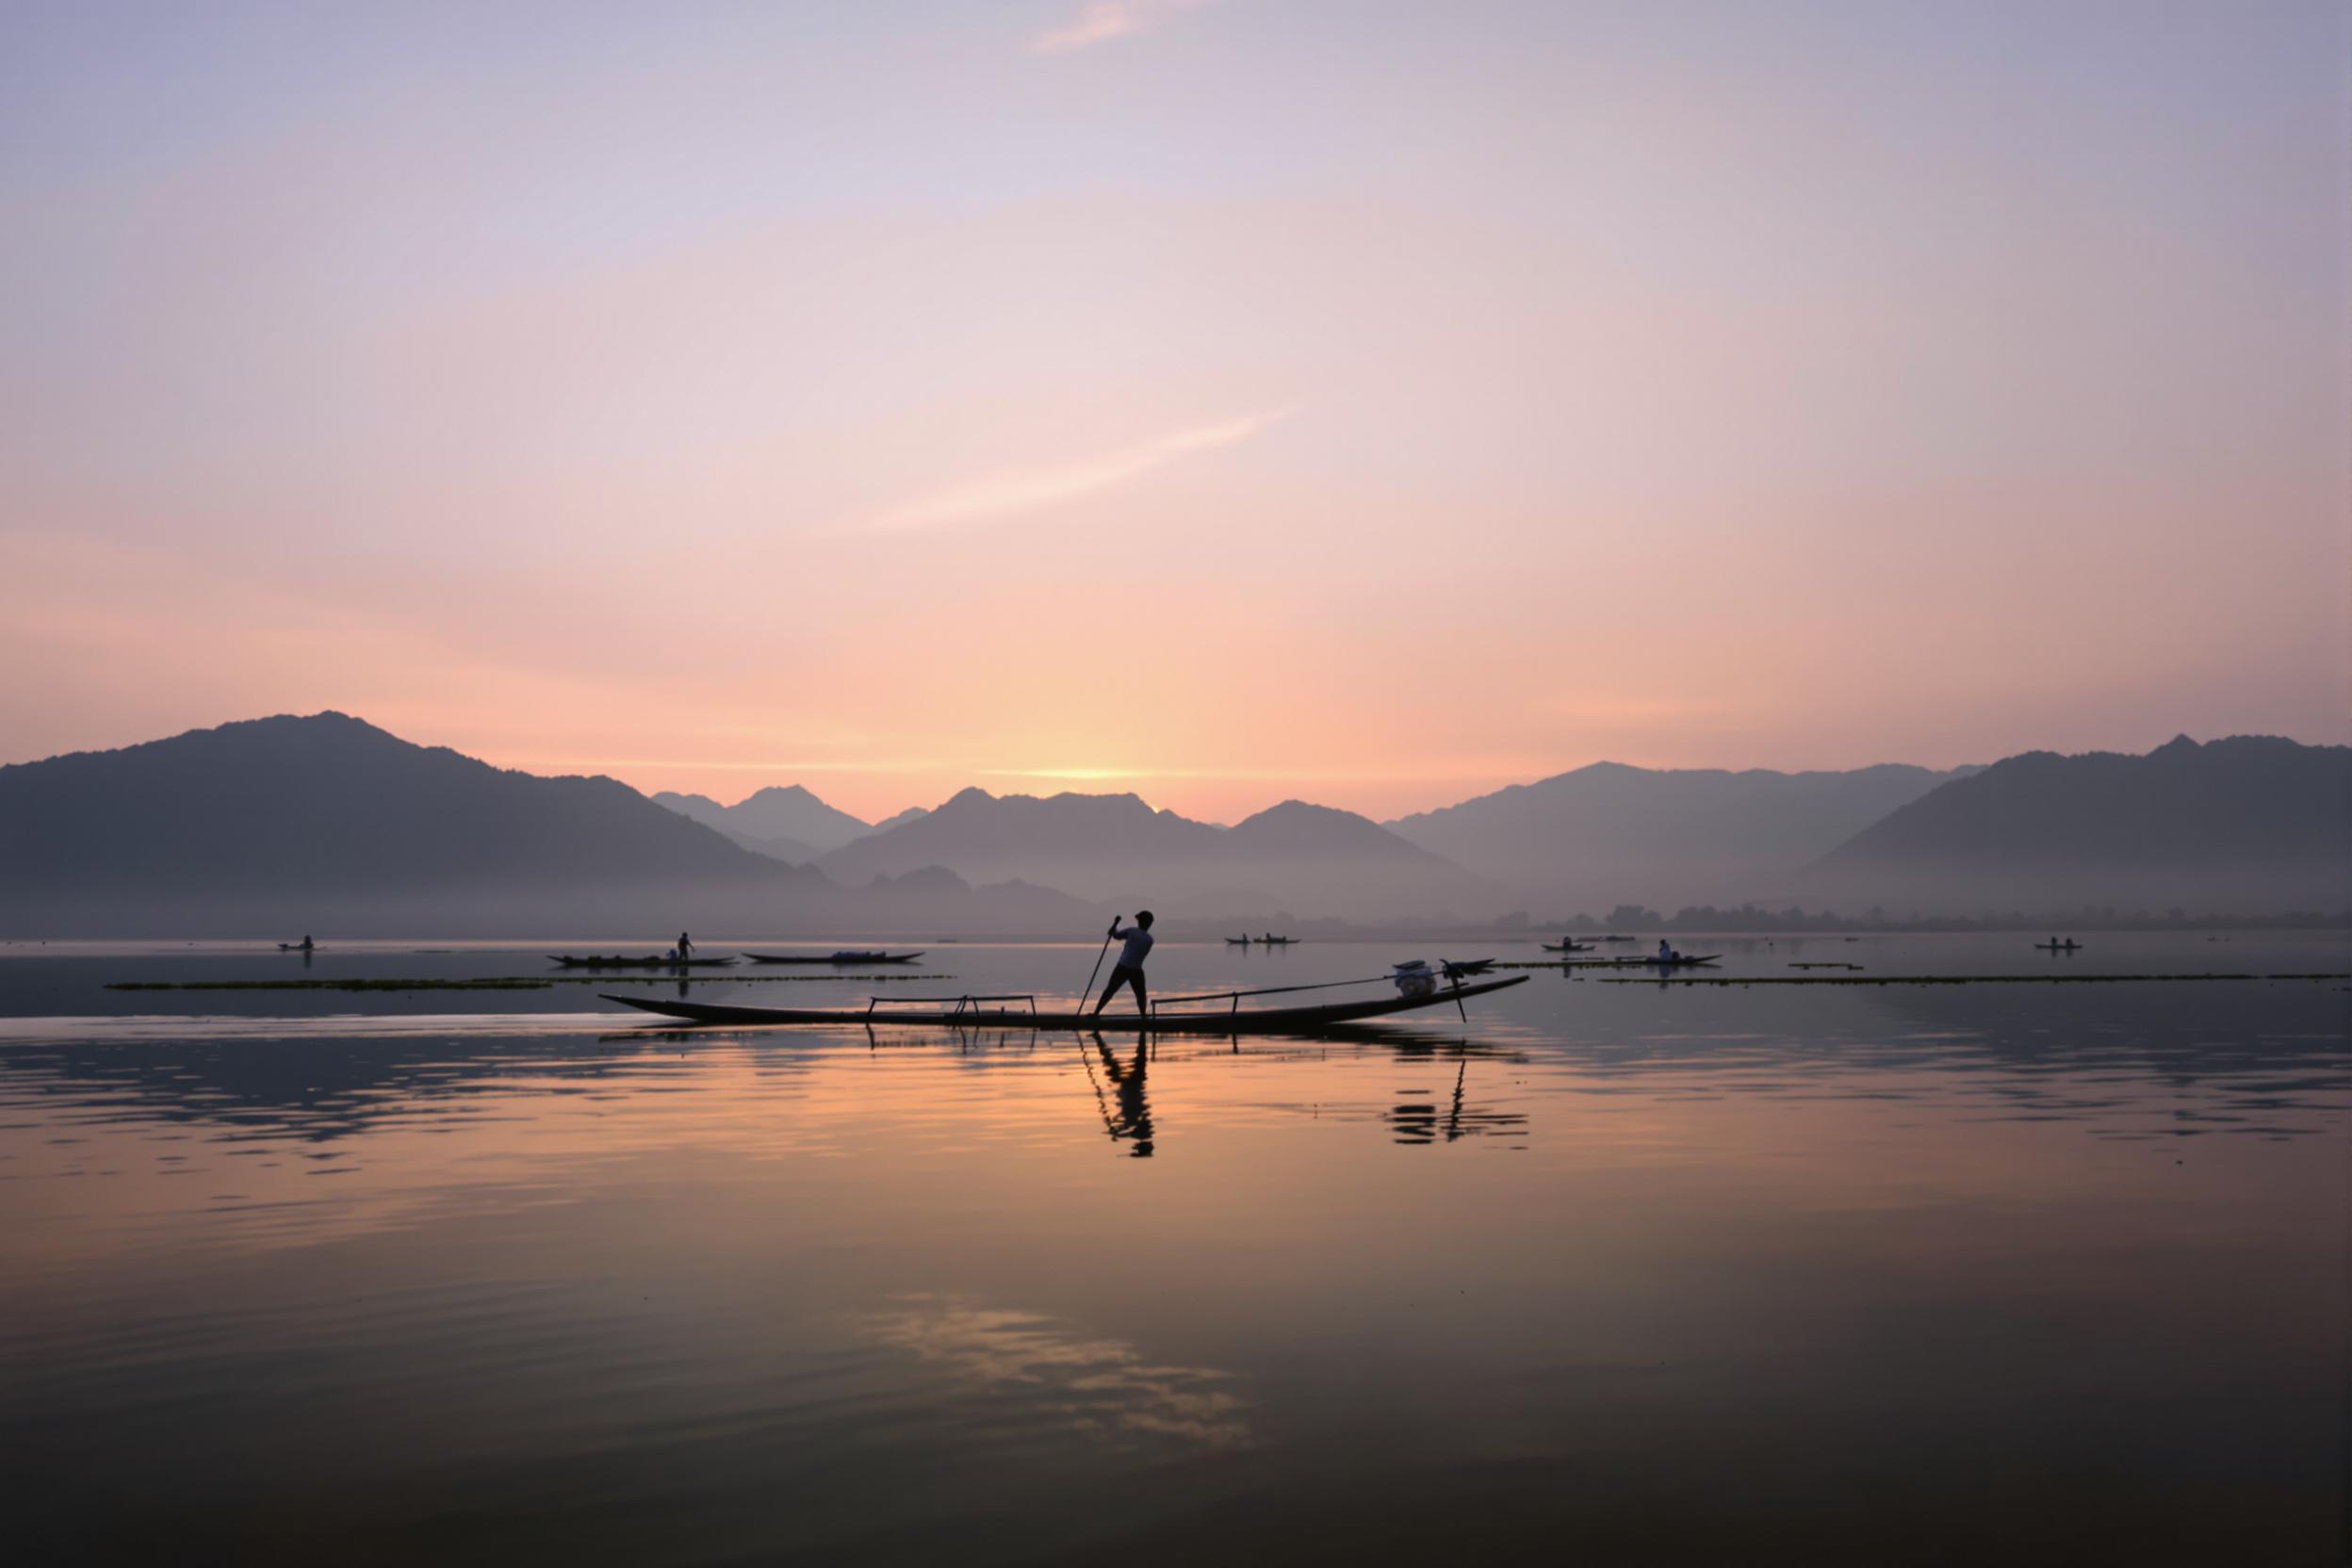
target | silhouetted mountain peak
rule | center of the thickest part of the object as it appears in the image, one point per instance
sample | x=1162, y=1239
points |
x=2253, y=822
x=781, y=794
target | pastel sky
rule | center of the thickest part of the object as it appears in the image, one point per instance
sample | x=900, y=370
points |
x=1224, y=399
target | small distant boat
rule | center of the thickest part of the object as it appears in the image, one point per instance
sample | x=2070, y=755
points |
x=1680, y=961
x=2068, y=946
x=1276, y=941
x=656, y=961
x=1239, y=942
x=846, y=955
x=1571, y=946
x=298, y=947
x=1614, y=939
x=1454, y=968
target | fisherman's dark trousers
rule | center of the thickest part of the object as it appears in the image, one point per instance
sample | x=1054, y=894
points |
x=1123, y=975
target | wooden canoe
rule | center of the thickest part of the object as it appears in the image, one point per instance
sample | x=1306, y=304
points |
x=598, y=961
x=844, y=956
x=992, y=1013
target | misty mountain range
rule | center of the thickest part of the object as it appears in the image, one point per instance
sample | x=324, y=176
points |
x=326, y=822
x=1588, y=839
x=784, y=822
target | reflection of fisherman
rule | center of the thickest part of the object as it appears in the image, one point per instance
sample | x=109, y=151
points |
x=1130, y=971
x=1133, y=1122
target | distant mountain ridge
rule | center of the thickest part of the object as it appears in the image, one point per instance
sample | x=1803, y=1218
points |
x=2255, y=824
x=783, y=821
x=1293, y=857
x=325, y=822
x=1607, y=833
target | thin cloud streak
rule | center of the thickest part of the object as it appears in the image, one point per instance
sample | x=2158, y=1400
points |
x=1014, y=490
x=1103, y=20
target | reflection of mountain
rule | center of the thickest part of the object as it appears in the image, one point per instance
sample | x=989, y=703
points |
x=1307, y=860
x=1609, y=834
x=313, y=1088
x=2253, y=823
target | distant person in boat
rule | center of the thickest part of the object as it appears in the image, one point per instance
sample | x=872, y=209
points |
x=1130, y=971
x=685, y=947
x=1665, y=952
x=307, y=943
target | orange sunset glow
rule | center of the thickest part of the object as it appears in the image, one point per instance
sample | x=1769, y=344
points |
x=1221, y=401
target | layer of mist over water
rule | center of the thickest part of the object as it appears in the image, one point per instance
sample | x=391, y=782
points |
x=1641, y=1271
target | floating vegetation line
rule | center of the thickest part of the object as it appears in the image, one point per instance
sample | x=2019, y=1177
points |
x=1936, y=979
x=900, y=977
x=1588, y=963
x=496, y=983
x=329, y=986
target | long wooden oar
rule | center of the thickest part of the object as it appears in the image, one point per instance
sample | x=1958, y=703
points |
x=1098, y=967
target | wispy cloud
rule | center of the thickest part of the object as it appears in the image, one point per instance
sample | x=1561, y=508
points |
x=1101, y=21
x=1012, y=490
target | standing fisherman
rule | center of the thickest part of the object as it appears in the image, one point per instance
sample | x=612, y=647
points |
x=1130, y=971
x=685, y=947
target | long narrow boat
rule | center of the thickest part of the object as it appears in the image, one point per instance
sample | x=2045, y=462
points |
x=993, y=1012
x=1568, y=947
x=848, y=956
x=598, y=961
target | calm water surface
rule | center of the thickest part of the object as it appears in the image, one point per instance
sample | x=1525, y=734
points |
x=1631, y=1272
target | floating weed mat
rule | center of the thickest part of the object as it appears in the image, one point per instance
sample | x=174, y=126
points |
x=501, y=983
x=1936, y=979
x=1587, y=963
x=330, y=985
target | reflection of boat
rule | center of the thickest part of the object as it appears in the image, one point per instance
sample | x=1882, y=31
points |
x=996, y=1011
x=846, y=955
x=596, y=961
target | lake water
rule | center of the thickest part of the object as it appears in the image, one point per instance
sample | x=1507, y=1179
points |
x=1618, y=1272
